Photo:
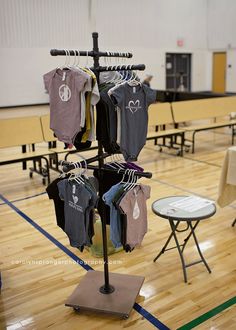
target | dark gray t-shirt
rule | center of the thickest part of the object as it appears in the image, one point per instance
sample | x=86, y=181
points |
x=133, y=102
x=76, y=201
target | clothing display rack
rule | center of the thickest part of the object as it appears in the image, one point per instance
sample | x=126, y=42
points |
x=103, y=291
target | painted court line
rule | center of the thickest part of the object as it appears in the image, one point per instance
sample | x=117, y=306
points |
x=208, y=315
x=46, y=234
x=148, y=316
x=24, y=198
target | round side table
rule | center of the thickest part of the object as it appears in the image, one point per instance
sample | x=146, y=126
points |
x=175, y=216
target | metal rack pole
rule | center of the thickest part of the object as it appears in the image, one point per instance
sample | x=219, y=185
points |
x=106, y=288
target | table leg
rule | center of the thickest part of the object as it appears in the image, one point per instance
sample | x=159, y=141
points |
x=198, y=248
x=234, y=222
x=173, y=228
x=165, y=246
x=189, y=235
x=178, y=246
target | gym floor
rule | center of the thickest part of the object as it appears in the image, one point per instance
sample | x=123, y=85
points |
x=39, y=272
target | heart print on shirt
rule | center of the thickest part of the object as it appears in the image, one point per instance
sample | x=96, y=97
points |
x=133, y=106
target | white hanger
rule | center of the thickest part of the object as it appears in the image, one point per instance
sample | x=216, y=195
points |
x=78, y=59
x=75, y=59
x=122, y=180
x=85, y=169
x=134, y=81
x=133, y=181
x=62, y=174
x=130, y=179
x=67, y=59
x=65, y=63
x=77, y=176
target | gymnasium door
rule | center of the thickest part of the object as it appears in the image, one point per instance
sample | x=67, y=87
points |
x=178, y=72
x=219, y=72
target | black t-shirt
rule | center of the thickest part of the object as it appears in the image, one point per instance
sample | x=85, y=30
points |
x=53, y=193
x=106, y=130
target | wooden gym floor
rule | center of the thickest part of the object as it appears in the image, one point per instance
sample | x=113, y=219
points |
x=38, y=275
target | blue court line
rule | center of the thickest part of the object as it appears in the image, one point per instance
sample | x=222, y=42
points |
x=151, y=318
x=148, y=316
x=46, y=234
x=22, y=199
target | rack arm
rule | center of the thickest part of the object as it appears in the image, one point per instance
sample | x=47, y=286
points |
x=140, y=67
x=68, y=166
x=63, y=52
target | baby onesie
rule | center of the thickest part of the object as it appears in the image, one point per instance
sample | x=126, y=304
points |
x=133, y=102
x=64, y=88
x=133, y=204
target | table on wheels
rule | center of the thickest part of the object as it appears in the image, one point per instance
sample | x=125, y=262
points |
x=176, y=216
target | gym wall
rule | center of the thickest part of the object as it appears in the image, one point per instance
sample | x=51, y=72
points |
x=149, y=29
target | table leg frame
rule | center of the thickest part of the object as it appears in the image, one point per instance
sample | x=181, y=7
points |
x=192, y=227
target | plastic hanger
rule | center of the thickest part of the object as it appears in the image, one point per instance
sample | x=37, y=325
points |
x=134, y=81
x=78, y=60
x=122, y=180
x=84, y=169
x=130, y=180
x=77, y=176
x=62, y=173
x=65, y=65
x=135, y=181
x=75, y=59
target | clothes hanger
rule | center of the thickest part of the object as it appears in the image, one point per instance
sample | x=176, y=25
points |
x=75, y=60
x=129, y=173
x=62, y=174
x=68, y=58
x=78, y=60
x=111, y=163
x=134, y=183
x=122, y=180
x=77, y=176
x=126, y=73
x=123, y=78
x=122, y=81
x=116, y=162
x=116, y=75
x=64, y=66
x=134, y=81
x=120, y=78
x=84, y=169
x=130, y=180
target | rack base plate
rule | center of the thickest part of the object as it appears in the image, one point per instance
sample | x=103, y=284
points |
x=87, y=296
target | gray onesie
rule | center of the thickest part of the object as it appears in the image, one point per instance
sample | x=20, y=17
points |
x=133, y=102
x=64, y=88
x=76, y=202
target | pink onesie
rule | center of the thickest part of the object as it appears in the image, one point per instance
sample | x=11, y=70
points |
x=64, y=88
x=134, y=206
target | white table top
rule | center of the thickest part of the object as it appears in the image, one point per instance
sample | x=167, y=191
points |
x=162, y=208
